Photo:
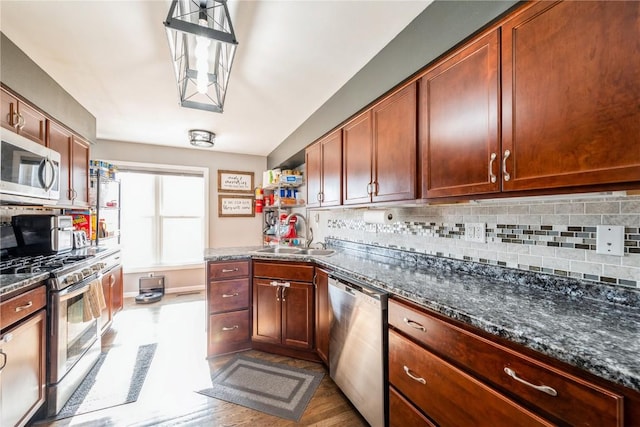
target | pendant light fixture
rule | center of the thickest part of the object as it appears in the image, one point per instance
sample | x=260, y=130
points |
x=202, y=44
x=202, y=138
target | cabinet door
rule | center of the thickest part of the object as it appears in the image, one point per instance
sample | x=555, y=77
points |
x=8, y=110
x=22, y=371
x=297, y=315
x=32, y=123
x=459, y=131
x=80, y=171
x=394, y=147
x=313, y=165
x=59, y=139
x=267, y=313
x=117, y=290
x=357, y=152
x=331, y=148
x=570, y=90
x=323, y=314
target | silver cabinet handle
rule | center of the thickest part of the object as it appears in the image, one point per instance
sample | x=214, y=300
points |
x=377, y=188
x=492, y=176
x=505, y=174
x=543, y=388
x=318, y=198
x=413, y=376
x=414, y=324
x=274, y=283
x=322, y=196
x=14, y=118
x=229, y=270
x=369, y=189
x=235, y=294
x=227, y=329
x=24, y=307
x=21, y=121
x=4, y=360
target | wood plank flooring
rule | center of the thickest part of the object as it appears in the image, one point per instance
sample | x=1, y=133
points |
x=179, y=368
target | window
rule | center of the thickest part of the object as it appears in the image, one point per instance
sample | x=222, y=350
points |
x=163, y=218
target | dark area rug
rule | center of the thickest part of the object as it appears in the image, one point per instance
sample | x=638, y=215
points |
x=115, y=379
x=273, y=388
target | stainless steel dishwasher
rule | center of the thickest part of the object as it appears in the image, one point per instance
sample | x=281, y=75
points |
x=358, y=347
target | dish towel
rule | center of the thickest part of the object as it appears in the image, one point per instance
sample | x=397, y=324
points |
x=94, y=301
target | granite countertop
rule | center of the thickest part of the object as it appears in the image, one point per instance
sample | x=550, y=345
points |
x=598, y=336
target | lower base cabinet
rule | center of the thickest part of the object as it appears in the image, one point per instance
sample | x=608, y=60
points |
x=403, y=414
x=228, y=307
x=22, y=370
x=113, y=290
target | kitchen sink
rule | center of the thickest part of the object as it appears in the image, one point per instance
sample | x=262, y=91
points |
x=279, y=250
x=297, y=251
x=318, y=252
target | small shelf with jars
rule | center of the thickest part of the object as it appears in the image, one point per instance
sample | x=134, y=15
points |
x=104, y=199
x=280, y=195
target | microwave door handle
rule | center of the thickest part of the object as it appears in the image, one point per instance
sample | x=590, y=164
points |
x=53, y=175
x=42, y=173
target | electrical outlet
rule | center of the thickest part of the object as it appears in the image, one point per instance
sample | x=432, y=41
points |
x=475, y=232
x=610, y=240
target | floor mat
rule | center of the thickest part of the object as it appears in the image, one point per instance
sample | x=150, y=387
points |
x=273, y=388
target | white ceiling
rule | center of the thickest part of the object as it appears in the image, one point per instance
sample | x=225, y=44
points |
x=112, y=56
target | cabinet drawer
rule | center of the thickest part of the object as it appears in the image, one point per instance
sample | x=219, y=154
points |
x=228, y=295
x=229, y=327
x=402, y=413
x=448, y=395
x=284, y=271
x=17, y=308
x=228, y=270
x=577, y=401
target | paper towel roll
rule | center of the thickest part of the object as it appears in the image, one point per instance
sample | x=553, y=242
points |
x=378, y=217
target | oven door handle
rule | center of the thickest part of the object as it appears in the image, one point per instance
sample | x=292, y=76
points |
x=76, y=289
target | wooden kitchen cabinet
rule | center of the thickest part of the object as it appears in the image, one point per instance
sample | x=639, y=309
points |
x=74, y=165
x=20, y=117
x=570, y=90
x=561, y=396
x=323, y=314
x=323, y=162
x=22, y=357
x=113, y=290
x=228, y=307
x=379, y=151
x=459, y=127
x=283, y=309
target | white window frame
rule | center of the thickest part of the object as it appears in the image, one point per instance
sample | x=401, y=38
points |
x=156, y=167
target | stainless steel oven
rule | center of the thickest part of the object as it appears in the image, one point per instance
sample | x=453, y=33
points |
x=74, y=341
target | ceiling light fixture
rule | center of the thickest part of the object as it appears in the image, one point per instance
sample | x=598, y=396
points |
x=202, y=138
x=202, y=44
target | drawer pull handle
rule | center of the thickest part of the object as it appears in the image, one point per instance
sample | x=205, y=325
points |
x=230, y=270
x=24, y=307
x=235, y=294
x=413, y=376
x=414, y=324
x=543, y=388
x=4, y=360
x=226, y=329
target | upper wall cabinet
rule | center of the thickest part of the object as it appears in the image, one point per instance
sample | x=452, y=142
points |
x=571, y=95
x=22, y=118
x=324, y=171
x=379, y=151
x=74, y=165
x=459, y=129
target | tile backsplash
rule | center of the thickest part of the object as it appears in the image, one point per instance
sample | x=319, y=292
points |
x=549, y=235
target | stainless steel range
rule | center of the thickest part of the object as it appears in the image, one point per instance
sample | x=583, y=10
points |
x=73, y=335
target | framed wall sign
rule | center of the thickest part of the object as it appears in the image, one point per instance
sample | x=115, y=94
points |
x=235, y=206
x=235, y=182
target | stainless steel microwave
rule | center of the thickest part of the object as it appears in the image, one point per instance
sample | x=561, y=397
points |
x=30, y=171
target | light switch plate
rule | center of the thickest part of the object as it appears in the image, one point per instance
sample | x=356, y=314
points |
x=610, y=240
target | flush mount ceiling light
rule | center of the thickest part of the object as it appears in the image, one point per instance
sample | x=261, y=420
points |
x=202, y=138
x=202, y=44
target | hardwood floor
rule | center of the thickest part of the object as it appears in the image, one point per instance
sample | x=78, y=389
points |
x=179, y=368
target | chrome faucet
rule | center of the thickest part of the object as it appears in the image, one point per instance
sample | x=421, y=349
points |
x=307, y=239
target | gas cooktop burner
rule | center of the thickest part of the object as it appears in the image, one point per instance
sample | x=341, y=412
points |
x=39, y=263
